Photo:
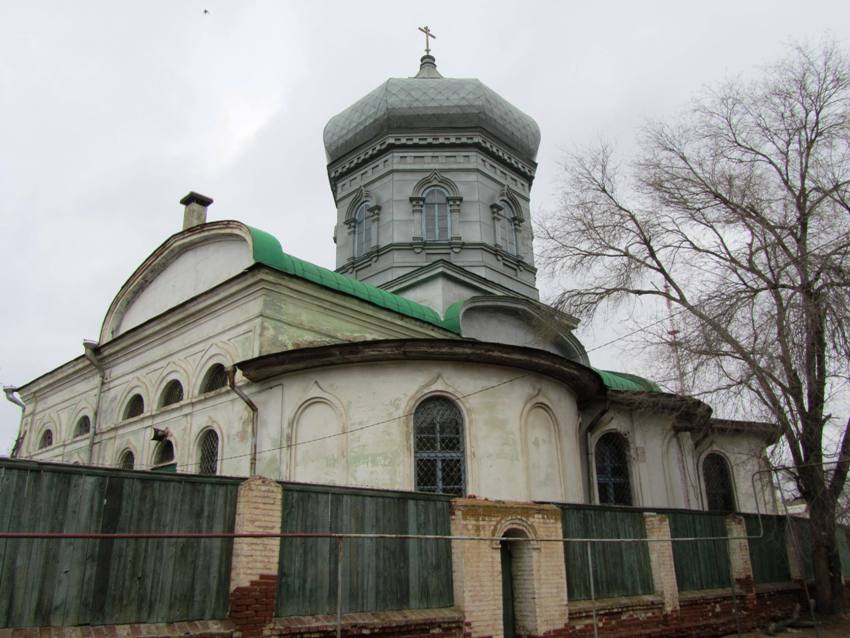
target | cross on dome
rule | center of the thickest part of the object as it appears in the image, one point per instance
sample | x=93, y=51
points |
x=428, y=35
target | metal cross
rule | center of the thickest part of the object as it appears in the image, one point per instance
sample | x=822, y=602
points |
x=428, y=34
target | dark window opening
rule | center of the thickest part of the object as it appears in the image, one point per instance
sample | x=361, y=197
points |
x=214, y=379
x=208, y=453
x=719, y=494
x=173, y=393
x=135, y=407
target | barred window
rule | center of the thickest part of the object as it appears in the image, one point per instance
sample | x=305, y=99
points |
x=436, y=222
x=718, y=484
x=612, y=470
x=215, y=378
x=208, y=453
x=173, y=393
x=83, y=426
x=127, y=461
x=163, y=458
x=135, y=406
x=46, y=439
x=438, y=447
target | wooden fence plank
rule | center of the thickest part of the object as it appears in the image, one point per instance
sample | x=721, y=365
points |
x=110, y=581
x=700, y=564
x=378, y=574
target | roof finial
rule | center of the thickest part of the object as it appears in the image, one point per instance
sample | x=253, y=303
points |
x=428, y=34
x=428, y=65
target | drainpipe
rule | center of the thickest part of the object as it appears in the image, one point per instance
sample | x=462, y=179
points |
x=9, y=391
x=231, y=381
x=90, y=349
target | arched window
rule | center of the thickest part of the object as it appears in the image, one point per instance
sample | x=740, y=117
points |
x=612, y=470
x=362, y=231
x=163, y=457
x=506, y=228
x=46, y=439
x=436, y=224
x=135, y=406
x=215, y=378
x=718, y=484
x=208, y=453
x=438, y=447
x=127, y=460
x=83, y=426
x=173, y=393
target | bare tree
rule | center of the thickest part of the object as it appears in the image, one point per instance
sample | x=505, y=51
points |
x=738, y=215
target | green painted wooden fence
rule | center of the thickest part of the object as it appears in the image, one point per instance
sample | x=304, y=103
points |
x=74, y=582
x=803, y=530
x=700, y=564
x=619, y=569
x=768, y=548
x=377, y=574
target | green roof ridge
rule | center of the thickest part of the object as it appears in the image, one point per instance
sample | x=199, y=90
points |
x=268, y=251
x=626, y=382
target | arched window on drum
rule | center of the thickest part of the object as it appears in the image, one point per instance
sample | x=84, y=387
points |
x=436, y=221
x=438, y=447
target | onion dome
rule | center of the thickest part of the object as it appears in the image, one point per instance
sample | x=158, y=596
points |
x=430, y=102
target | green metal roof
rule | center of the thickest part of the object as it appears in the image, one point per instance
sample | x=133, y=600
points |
x=267, y=251
x=627, y=382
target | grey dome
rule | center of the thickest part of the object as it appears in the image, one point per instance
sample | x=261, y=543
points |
x=430, y=102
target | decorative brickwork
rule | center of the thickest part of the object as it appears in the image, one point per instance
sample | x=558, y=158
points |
x=540, y=584
x=661, y=560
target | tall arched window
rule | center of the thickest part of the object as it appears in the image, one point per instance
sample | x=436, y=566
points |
x=436, y=222
x=46, y=439
x=506, y=228
x=163, y=457
x=173, y=393
x=215, y=378
x=135, y=406
x=362, y=231
x=612, y=470
x=717, y=478
x=83, y=426
x=438, y=447
x=127, y=460
x=208, y=453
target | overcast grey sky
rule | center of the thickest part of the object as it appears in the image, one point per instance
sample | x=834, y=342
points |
x=111, y=111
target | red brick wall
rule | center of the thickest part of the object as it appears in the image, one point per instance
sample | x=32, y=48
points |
x=252, y=606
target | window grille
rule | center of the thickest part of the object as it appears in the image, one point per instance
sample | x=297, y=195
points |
x=208, y=453
x=362, y=231
x=163, y=458
x=436, y=222
x=83, y=426
x=612, y=470
x=173, y=393
x=135, y=406
x=718, y=484
x=215, y=378
x=46, y=439
x=439, y=447
x=506, y=228
x=127, y=461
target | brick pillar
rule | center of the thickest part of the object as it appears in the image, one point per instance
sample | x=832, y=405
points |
x=661, y=560
x=254, y=570
x=739, y=557
x=539, y=579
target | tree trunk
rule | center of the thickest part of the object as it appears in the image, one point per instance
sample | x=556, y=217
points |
x=829, y=595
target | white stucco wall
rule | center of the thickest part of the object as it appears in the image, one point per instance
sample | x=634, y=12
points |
x=199, y=268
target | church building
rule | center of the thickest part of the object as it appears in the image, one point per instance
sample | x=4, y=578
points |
x=425, y=361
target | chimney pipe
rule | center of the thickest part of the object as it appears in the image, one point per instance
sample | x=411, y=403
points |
x=196, y=209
